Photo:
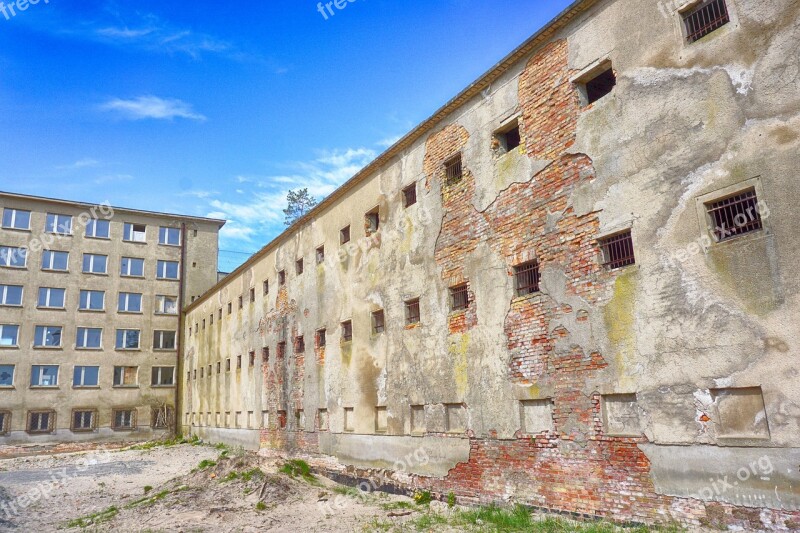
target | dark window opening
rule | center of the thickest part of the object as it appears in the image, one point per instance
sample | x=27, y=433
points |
x=320, y=255
x=618, y=250
x=227, y=365
x=453, y=170
x=282, y=419
x=510, y=139
x=321, y=338
x=252, y=295
x=372, y=221
x=266, y=287
x=265, y=355
x=600, y=85
x=344, y=235
x=412, y=312
x=230, y=308
x=282, y=277
x=347, y=331
x=298, y=266
x=705, y=18
x=527, y=278
x=238, y=362
x=410, y=195
x=735, y=215
x=378, y=322
x=459, y=297
x=252, y=358
x=299, y=344
x=241, y=302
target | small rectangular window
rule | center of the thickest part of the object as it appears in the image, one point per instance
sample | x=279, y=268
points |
x=53, y=260
x=241, y=302
x=127, y=339
x=9, y=335
x=169, y=236
x=163, y=376
x=282, y=277
x=238, y=362
x=50, y=298
x=344, y=235
x=162, y=417
x=378, y=322
x=321, y=338
x=412, y=312
x=600, y=85
x=299, y=344
x=13, y=257
x=347, y=331
x=459, y=297
x=131, y=267
x=7, y=376
x=252, y=357
x=618, y=250
x=265, y=287
x=298, y=266
x=322, y=419
x=164, y=340
x=89, y=338
x=230, y=308
x=735, y=216
x=16, y=219
x=129, y=302
x=58, y=224
x=95, y=264
x=126, y=376
x=265, y=354
x=123, y=420
x=83, y=421
x=44, y=376
x=372, y=221
x=98, y=229
x=167, y=270
x=410, y=195
x=134, y=232
x=11, y=295
x=509, y=137
x=227, y=365
x=705, y=18
x=453, y=170
x=92, y=301
x=85, y=376
x=5, y=422
x=47, y=337
x=252, y=295
x=320, y=255
x=282, y=419
x=41, y=421
x=526, y=278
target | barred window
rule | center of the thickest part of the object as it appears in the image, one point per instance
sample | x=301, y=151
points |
x=412, y=312
x=459, y=297
x=410, y=195
x=41, y=421
x=83, y=420
x=321, y=338
x=347, y=331
x=453, y=170
x=618, y=250
x=124, y=419
x=162, y=417
x=710, y=15
x=735, y=215
x=527, y=278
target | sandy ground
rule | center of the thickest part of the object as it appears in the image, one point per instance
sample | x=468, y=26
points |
x=44, y=493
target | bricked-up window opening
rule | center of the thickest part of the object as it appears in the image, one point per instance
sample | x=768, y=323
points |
x=618, y=250
x=347, y=331
x=321, y=338
x=459, y=297
x=83, y=421
x=344, y=235
x=372, y=221
x=320, y=255
x=282, y=277
x=252, y=295
x=527, y=278
x=238, y=362
x=322, y=419
x=299, y=344
x=266, y=287
x=705, y=18
x=41, y=421
x=412, y=312
x=252, y=356
x=265, y=355
x=600, y=85
x=298, y=266
x=124, y=420
x=735, y=215
x=281, y=352
x=5, y=422
x=378, y=322
x=282, y=419
x=410, y=195
x=453, y=170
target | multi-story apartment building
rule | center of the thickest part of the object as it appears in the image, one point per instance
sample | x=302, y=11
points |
x=573, y=287
x=90, y=297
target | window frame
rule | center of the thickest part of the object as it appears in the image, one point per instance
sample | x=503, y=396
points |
x=347, y=330
x=125, y=332
x=126, y=309
x=409, y=193
x=11, y=257
x=378, y=321
x=86, y=332
x=455, y=292
x=690, y=37
x=345, y=235
x=164, y=234
x=92, y=258
x=4, y=295
x=16, y=335
x=161, y=304
x=52, y=255
x=83, y=384
x=93, y=224
x=53, y=223
x=158, y=371
x=48, y=298
x=162, y=265
x=89, y=293
x=453, y=170
x=409, y=315
x=121, y=372
x=38, y=371
x=51, y=421
x=159, y=337
x=74, y=428
x=130, y=262
x=46, y=332
x=130, y=233
x=14, y=211
x=611, y=243
x=132, y=422
x=520, y=290
x=13, y=368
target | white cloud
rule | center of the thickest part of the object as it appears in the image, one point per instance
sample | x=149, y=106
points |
x=81, y=163
x=389, y=141
x=152, y=107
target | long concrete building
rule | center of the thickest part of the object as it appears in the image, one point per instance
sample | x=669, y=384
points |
x=573, y=287
x=90, y=297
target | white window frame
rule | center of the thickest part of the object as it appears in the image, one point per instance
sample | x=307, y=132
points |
x=161, y=269
x=13, y=377
x=158, y=340
x=89, y=300
x=164, y=236
x=39, y=369
x=54, y=222
x=51, y=254
x=14, y=213
x=16, y=335
x=92, y=258
x=129, y=233
x=8, y=253
x=126, y=298
x=4, y=300
x=48, y=304
x=82, y=339
x=121, y=382
x=130, y=422
x=126, y=273
x=48, y=332
x=91, y=229
x=160, y=374
x=161, y=304
x=83, y=384
x=125, y=339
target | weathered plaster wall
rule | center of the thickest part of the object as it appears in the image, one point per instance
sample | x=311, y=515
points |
x=587, y=395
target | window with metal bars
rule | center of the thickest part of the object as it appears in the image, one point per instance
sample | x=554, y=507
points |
x=124, y=419
x=459, y=297
x=618, y=250
x=83, y=421
x=410, y=195
x=162, y=417
x=41, y=421
x=526, y=277
x=735, y=215
x=412, y=312
x=705, y=18
x=453, y=170
x=378, y=322
x=347, y=331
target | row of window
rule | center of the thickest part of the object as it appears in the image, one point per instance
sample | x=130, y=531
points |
x=58, y=261
x=55, y=298
x=88, y=376
x=20, y=219
x=85, y=338
x=85, y=420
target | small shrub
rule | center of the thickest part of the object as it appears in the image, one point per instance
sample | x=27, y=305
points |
x=298, y=468
x=423, y=497
x=147, y=488
x=261, y=506
x=206, y=463
x=451, y=500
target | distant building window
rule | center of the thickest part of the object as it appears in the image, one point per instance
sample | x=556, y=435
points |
x=50, y=298
x=134, y=232
x=344, y=235
x=126, y=376
x=53, y=260
x=131, y=267
x=378, y=322
x=16, y=219
x=252, y=357
x=47, y=337
x=58, y=224
x=85, y=376
x=705, y=18
x=320, y=255
x=98, y=229
x=410, y=195
x=124, y=419
x=298, y=266
x=13, y=257
x=600, y=85
x=618, y=250
x=735, y=215
x=459, y=297
x=44, y=376
x=9, y=335
x=241, y=302
x=129, y=302
x=266, y=287
x=92, y=301
x=127, y=339
x=7, y=375
x=169, y=236
x=321, y=338
x=167, y=270
x=95, y=264
x=164, y=340
x=299, y=344
x=265, y=354
x=509, y=137
x=412, y=312
x=83, y=421
x=372, y=221
x=163, y=376
x=41, y=421
x=11, y=295
x=166, y=305
x=227, y=365
x=526, y=278
x=453, y=170
x=238, y=362
x=347, y=331
x=252, y=295
x=89, y=338
x=230, y=308
x=282, y=277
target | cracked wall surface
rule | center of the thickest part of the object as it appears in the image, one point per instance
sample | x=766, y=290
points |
x=623, y=393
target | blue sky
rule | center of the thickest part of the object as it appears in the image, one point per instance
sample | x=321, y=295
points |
x=218, y=108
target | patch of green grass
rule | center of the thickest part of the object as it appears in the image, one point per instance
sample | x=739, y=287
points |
x=147, y=488
x=298, y=468
x=451, y=500
x=515, y=519
x=377, y=525
x=344, y=490
x=261, y=506
x=395, y=506
x=428, y=521
x=206, y=463
x=253, y=473
x=94, y=519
